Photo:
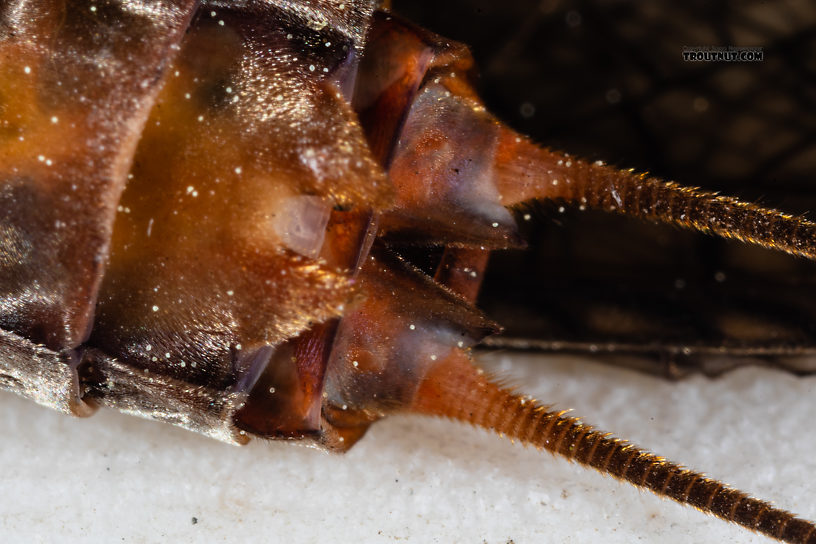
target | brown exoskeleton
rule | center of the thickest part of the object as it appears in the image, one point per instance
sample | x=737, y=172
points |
x=91, y=375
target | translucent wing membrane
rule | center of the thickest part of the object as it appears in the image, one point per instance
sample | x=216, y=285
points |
x=608, y=82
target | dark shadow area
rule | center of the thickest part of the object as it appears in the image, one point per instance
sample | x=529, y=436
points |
x=607, y=80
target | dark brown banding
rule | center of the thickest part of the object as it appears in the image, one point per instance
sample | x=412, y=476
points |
x=549, y=430
x=531, y=425
x=644, y=197
x=624, y=471
x=577, y=443
x=595, y=440
x=559, y=438
x=613, y=448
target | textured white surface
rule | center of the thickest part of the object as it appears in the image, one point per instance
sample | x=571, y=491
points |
x=117, y=478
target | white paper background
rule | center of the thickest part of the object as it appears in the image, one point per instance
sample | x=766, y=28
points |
x=117, y=478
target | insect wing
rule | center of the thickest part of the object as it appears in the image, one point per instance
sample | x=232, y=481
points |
x=659, y=299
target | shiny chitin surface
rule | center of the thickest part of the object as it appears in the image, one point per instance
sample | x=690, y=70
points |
x=200, y=206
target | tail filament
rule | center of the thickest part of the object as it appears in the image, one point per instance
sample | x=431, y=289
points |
x=477, y=401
